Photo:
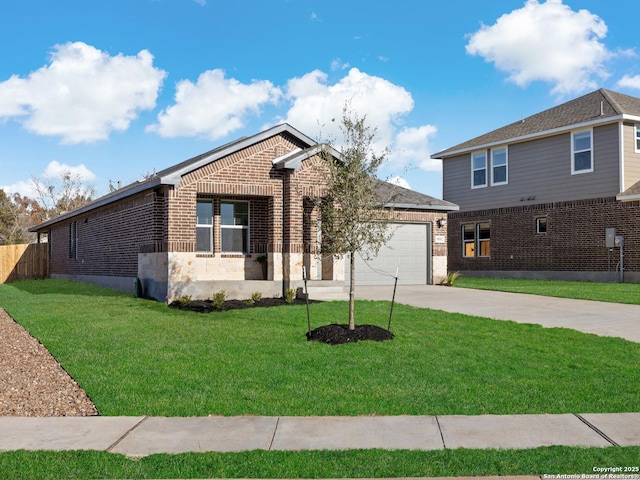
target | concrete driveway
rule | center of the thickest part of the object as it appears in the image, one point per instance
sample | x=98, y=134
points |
x=599, y=318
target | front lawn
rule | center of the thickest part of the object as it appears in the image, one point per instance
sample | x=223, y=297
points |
x=139, y=357
x=598, y=291
x=316, y=464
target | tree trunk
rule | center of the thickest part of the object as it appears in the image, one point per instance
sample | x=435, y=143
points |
x=352, y=282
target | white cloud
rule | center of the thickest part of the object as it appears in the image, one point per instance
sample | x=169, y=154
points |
x=548, y=42
x=53, y=171
x=399, y=181
x=214, y=106
x=629, y=81
x=83, y=94
x=338, y=64
x=317, y=109
x=317, y=105
x=412, y=148
x=23, y=188
x=56, y=169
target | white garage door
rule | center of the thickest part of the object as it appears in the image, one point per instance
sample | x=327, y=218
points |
x=407, y=251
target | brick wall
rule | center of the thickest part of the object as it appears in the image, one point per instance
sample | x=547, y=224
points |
x=574, y=241
x=110, y=238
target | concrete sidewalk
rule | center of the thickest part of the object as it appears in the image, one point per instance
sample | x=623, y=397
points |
x=599, y=318
x=141, y=436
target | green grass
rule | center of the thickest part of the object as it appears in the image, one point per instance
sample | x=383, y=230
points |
x=315, y=464
x=604, y=292
x=138, y=357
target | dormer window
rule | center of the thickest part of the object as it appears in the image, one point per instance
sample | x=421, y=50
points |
x=582, y=152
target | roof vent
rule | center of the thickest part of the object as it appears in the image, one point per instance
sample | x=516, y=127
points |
x=601, y=108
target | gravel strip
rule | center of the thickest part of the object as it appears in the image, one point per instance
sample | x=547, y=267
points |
x=32, y=382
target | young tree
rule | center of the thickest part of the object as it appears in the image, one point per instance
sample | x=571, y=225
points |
x=354, y=219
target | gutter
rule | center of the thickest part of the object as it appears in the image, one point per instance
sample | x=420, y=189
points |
x=415, y=206
x=104, y=201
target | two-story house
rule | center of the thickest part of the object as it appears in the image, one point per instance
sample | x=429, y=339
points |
x=554, y=195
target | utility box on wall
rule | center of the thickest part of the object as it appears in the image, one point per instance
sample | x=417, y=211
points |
x=610, y=241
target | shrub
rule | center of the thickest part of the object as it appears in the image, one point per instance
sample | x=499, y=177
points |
x=219, y=299
x=290, y=295
x=185, y=300
x=451, y=279
x=256, y=297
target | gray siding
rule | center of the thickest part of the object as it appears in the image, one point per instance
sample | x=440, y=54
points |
x=631, y=157
x=539, y=172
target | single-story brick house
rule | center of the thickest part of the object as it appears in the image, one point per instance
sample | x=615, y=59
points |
x=237, y=218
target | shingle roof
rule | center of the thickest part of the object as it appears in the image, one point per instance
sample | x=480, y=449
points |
x=600, y=106
x=172, y=175
x=631, y=193
x=400, y=197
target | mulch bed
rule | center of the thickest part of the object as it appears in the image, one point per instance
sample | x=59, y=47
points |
x=205, y=306
x=333, y=334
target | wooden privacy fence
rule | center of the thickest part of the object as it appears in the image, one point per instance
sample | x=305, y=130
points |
x=19, y=262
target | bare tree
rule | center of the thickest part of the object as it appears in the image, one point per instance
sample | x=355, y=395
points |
x=11, y=227
x=60, y=195
x=354, y=218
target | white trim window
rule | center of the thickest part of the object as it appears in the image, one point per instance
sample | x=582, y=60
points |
x=582, y=152
x=234, y=223
x=541, y=225
x=204, y=226
x=637, y=138
x=499, y=166
x=479, y=169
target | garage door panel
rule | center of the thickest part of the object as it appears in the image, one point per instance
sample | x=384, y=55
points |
x=407, y=251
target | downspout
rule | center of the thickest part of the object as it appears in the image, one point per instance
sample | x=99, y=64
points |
x=284, y=211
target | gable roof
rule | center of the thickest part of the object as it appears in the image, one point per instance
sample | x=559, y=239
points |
x=599, y=107
x=172, y=175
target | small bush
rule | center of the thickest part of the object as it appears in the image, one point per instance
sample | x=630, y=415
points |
x=185, y=300
x=290, y=295
x=218, y=299
x=256, y=297
x=451, y=279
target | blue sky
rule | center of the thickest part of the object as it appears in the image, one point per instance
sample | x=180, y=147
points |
x=113, y=90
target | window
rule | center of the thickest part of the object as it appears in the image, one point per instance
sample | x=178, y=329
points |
x=484, y=240
x=637, y=138
x=204, y=226
x=468, y=240
x=582, y=148
x=476, y=240
x=499, y=166
x=478, y=169
x=73, y=240
x=541, y=225
x=234, y=219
